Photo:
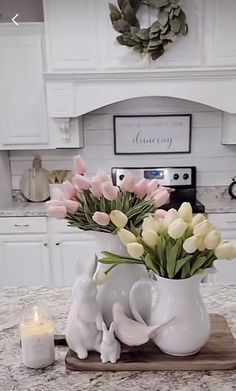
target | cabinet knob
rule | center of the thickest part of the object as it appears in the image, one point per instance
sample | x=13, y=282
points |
x=57, y=244
x=45, y=244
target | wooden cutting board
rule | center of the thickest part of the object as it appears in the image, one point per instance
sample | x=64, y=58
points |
x=218, y=353
x=34, y=183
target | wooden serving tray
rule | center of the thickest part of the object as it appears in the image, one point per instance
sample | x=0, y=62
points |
x=218, y=353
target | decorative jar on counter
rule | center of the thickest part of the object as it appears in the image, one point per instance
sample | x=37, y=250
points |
x=37, y=337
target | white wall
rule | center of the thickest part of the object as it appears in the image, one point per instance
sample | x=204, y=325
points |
x=216, y=163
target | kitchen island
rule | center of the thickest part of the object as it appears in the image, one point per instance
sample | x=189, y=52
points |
x=14, y=376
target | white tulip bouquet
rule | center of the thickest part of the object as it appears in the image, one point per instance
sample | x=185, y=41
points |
x=173, y=244
x=94, y=203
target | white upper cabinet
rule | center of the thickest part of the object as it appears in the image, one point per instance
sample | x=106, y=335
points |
x=80, y=37
x=23, y=119
x=71, y=31
x=220, y=32
x=228, y=129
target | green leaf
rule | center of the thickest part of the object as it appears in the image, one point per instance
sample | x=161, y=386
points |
x=121, y=26
x=199, y=262
x=181, y=262
x=163, y=18
x=143, y=34
x=184, y=30
x=114, y=12
x=171, y=260
x=151, y=264
x=130, y=15
x=135, y=4
x=157, y=53
x=157, y=3
x=175, y=25
x=155, y=27
x=133, y=31
x=113, y=261
x=185, y=273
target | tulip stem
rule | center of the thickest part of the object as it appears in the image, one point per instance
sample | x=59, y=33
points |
x=110, y=268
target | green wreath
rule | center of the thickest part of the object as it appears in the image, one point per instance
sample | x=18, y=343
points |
x=153, y=40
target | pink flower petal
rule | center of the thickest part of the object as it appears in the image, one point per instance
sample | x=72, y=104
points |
x=101, y=176
x=96, y=188
x=140, y=189
x=58, y=195
x=160, y=214
x=161, y=198
x=69, y=190
x=152, y=185
x=59, y=212
x=109, y=191
x=79, y=165
x=81, y=182
x=101, y=218
x=71, y=206
x=128, y=183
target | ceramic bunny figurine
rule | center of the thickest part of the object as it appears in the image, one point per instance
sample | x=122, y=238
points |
x=84, y=324
x=110, y=347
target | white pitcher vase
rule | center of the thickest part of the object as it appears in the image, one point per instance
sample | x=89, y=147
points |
x=119, y=280
x=178, y=305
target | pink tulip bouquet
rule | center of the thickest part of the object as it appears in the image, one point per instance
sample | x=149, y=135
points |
x=95, y=204
x=173, y=244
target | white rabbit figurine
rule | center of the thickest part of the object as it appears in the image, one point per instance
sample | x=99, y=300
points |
x=110, y=347
x=84, y=324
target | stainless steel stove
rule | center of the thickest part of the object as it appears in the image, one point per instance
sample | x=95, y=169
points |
x=182, y=179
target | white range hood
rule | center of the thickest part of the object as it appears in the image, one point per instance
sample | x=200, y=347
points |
x=87, y=69
x=75, y=95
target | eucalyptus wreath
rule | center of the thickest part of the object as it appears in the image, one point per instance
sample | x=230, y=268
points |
x=153, y=40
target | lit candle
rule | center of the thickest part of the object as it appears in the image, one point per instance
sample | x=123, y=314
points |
x=37, y=338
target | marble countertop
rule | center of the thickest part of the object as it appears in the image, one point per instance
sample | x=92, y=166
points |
x=215, y=198
x=24, y=209
x=14, y=376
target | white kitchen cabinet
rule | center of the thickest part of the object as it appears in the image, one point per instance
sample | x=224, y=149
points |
x=71, y=255
x=225, y=269
x=23, y=120
x=72, y=251
x=71, y=31
x=24, y=253
x=220, y=28
x=74, y=44
x=229, y=128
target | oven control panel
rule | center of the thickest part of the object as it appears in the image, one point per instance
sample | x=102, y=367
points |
x=167, y=176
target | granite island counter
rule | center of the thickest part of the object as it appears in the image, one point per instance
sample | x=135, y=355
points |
x=14, y=376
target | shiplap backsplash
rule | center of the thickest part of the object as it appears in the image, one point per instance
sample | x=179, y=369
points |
x=216, y=163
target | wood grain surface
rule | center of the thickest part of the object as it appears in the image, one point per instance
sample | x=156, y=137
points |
x=218, y=353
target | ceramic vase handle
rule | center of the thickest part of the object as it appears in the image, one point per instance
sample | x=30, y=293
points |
x=132, y=305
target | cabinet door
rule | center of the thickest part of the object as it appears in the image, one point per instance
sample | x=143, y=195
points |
x=23, y=120
x=24, y=260
x=220, y=32
x=71, y=31
x=71, y=256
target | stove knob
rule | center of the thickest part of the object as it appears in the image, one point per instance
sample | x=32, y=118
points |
x=121, y=177
x=176, y=177
x=185, y=176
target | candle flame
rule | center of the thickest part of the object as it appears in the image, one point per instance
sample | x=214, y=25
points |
x=36, y=315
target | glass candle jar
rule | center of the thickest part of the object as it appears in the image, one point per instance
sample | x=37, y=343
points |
x=37, y=337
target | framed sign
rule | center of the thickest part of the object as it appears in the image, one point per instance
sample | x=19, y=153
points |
x=145, y=134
